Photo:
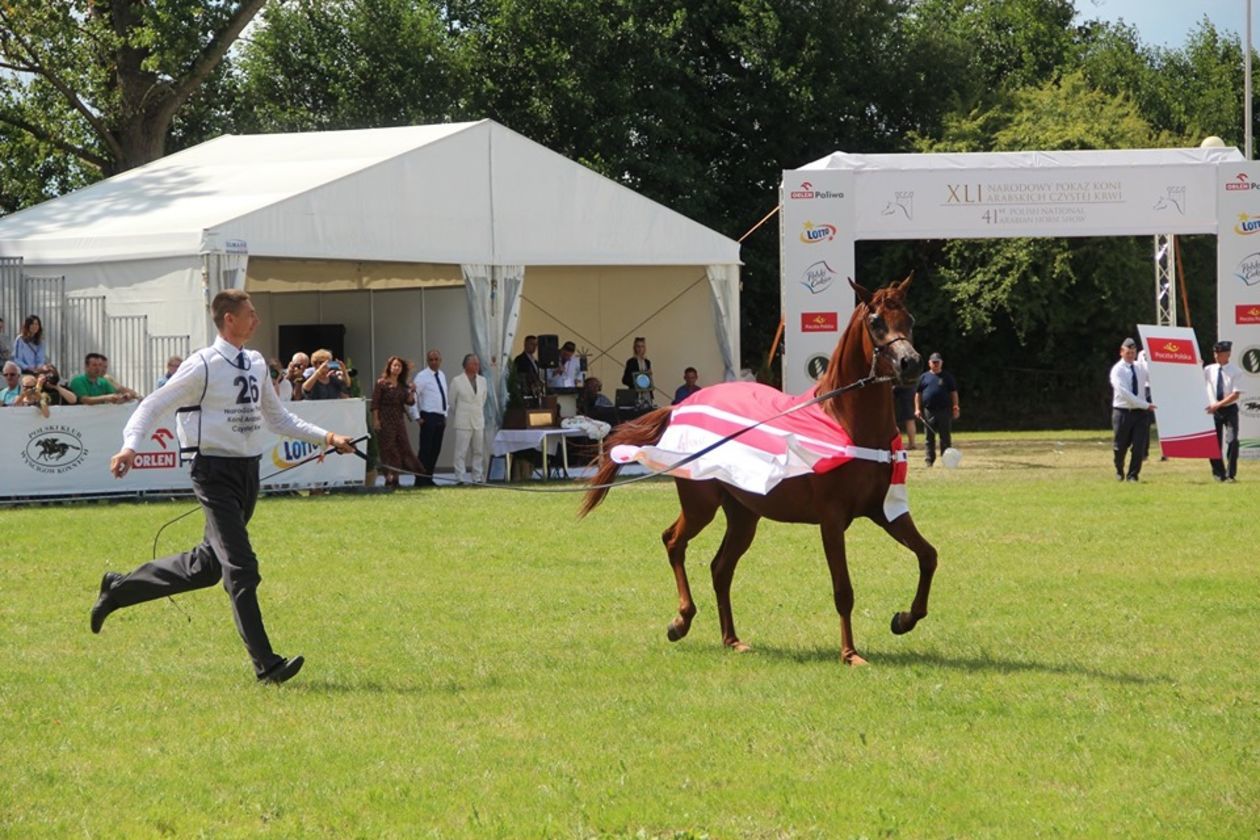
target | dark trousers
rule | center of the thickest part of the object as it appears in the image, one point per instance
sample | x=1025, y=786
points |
x=432, y=427
x=1131, y=428
x=228, y=490
x=1227, y=436
x=941, y=420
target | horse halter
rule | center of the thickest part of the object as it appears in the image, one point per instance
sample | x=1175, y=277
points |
x=870, y=378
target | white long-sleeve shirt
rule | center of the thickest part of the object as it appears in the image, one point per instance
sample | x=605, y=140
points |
x=1122, y=395
x=430, y=398
x=239, y=401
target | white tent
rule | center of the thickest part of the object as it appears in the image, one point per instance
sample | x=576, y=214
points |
x=378, y=230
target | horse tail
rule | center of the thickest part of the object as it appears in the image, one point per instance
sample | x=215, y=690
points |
x=641, y=431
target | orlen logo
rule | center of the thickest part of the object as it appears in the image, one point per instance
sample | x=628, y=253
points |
x=824, y=232
x=288, y=453
x=157, y=460
x=1247, y=225
x=1171, y=350
x=820, y=322
x=806, y=191
x=1247, y=313
x=1241, y=182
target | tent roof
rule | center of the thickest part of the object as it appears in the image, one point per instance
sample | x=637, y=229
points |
x=472, y=192
x=1026, y=160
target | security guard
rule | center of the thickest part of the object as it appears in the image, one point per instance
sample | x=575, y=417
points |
x=1224, y=388
x=1130, y=411
x=227, y=393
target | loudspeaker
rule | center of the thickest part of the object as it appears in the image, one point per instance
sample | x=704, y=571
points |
x=548, y=351
x=307, y=338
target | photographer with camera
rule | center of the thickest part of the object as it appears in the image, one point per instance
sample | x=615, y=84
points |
x=48, y=381
x=330, y=381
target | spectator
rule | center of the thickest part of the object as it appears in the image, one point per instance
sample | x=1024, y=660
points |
x=28, y=347
x=689, y=386
x=5, y=352
x=566, y=375
x=1130, y=412
x=639, y=362
x=172, y=365
x=1224, y=388
x=12, y=383
x=49, y=382
x=291, y=390
x=592, y=402
x=936, y=403
x=94, y=387
x=527, y=371
x=31, y=396
x=430, y=410
x=393, y=393
x=329, y=381
x=468, y=404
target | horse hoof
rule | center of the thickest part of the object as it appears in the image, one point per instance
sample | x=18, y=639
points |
x=739, y=647
x=897, y=628
x=673, y=632
x=853, y=660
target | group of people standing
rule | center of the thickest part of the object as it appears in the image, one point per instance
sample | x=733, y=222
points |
x=1132, y=411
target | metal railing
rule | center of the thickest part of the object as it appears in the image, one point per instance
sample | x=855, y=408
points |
x=87, y=328
x=161, y=348
x=128, y=341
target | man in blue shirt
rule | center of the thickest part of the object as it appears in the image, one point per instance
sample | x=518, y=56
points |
x=689, y=386
x=936, y=404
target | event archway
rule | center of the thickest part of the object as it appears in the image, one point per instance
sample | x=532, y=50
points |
x=830, y=204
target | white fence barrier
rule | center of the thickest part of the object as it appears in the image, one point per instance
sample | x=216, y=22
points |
x=67, y=454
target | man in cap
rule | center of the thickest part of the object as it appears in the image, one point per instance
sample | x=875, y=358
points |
x=936, y=404
x=1224, y=388
x=1130, y=411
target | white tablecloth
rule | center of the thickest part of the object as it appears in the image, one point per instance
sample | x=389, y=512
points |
x=514, y=440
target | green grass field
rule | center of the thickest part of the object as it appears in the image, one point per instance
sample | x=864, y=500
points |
x=480, y=664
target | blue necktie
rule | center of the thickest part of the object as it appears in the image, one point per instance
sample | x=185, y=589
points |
x=1133, y=379
x=240, y=360
x=1220, y=384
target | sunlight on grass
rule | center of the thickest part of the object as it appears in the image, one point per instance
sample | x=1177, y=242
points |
x=482, y=664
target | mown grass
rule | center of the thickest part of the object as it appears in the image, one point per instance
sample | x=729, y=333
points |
x=481, y=665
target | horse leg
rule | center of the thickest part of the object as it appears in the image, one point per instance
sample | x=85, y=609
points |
x=699, y=500
x=838, y=565
x=903, y=530
x=741, y=528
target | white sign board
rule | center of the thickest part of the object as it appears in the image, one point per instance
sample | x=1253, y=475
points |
x=816, y=228
x=68, y=453
x=1186, y=430
x=1238, y=289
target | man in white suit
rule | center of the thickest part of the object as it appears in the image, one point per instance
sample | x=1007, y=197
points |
x=468, y=403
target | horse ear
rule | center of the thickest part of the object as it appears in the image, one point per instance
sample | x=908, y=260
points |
x=905, y=284
x=863, y=295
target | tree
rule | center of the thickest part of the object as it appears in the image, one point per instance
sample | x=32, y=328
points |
x=103, y=81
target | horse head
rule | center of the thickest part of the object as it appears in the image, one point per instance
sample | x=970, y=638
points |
x=890, y=326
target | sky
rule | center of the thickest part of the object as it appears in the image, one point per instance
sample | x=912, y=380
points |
x=1167, y=22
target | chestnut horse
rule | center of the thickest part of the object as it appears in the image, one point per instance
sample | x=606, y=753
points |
x=877, y=346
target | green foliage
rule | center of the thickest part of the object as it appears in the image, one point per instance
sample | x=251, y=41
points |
x=505, y=676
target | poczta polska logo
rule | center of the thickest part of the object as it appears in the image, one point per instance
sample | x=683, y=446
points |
x=53, y=450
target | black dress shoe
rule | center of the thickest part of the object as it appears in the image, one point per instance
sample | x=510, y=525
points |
x=104, y=604
x=286, y=669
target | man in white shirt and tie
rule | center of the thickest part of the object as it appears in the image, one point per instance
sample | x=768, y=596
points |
x=570, y=369
x=233, y=399
x=468, y=407
x=1130, y=412
x=1224, y=389
x=432, y=403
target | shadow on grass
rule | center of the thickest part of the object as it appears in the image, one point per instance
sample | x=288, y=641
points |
x=932, y=659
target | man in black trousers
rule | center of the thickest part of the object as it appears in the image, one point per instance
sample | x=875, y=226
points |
x=1130, y=411
x=226, y=390
x=432, y=403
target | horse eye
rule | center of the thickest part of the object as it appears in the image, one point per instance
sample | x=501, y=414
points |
x=877, y=323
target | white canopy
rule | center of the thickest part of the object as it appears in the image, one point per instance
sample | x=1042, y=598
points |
x=971, y=161
x=457, y=194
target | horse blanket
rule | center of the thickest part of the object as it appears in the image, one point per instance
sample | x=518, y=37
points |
x=807, y=440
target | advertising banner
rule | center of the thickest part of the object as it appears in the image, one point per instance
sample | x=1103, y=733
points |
x=996, y=203
x=1238, y=289
x=816, y=229
x=1186, y=430
x=68, y=452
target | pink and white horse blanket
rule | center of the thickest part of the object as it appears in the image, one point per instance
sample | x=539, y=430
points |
x=807, y=440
